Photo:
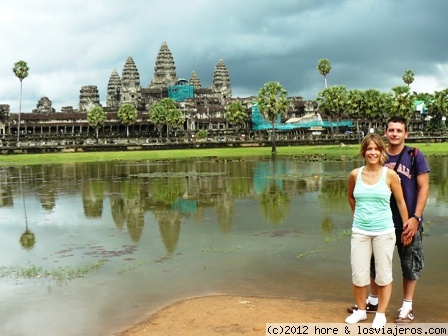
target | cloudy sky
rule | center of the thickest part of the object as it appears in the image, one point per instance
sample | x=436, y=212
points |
x=370, y=44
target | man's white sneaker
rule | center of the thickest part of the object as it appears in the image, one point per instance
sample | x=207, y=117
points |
x=405, y=315
x=355, y=317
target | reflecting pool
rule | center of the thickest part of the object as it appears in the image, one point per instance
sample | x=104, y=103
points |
x=88, y=249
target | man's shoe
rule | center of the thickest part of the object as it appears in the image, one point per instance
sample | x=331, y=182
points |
x=370, y=308
x=355, y=317
x=405, y=315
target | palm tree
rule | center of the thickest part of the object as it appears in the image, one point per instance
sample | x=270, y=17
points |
x=408, y=77
x=402, y=102
x=21, y=71
x=324, y=67
x=272, y=102
x=332, y=101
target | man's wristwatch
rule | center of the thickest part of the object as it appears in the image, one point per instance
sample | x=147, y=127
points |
x=419, y=219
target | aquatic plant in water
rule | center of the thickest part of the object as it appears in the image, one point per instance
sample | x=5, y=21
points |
x=60, y=275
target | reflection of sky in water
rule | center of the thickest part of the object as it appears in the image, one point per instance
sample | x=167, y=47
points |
x=210, y=243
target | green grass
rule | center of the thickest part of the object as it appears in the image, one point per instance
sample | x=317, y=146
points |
x=333, y=150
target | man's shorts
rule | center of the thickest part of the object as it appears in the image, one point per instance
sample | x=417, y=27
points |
x=411, y=256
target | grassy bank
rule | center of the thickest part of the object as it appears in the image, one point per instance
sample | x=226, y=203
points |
x=30, y=159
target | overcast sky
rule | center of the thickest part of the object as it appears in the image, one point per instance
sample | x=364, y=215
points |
x=370, y=44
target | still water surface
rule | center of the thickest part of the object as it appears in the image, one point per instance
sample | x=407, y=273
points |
x=140, y=235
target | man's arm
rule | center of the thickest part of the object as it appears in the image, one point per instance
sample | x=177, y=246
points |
x=411, y=225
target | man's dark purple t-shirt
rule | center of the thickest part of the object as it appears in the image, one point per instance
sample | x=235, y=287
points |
x=408, y=179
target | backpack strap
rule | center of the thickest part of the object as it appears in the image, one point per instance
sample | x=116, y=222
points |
x=413, y=152
x=399, y=157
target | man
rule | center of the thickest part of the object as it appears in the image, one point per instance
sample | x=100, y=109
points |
x=413, y=171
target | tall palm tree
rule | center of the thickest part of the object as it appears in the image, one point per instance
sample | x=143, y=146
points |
x=21, y=71
x=272, y=101
x=408, y=77
x=324, y=67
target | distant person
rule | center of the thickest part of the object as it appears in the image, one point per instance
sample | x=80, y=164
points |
x=413, y=170
x=373, y=233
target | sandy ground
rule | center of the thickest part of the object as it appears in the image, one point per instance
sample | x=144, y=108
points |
x=238, y=315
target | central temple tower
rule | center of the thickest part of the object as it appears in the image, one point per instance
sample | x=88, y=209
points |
x=164, y=70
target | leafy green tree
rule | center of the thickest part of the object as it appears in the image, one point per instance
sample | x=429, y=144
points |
x=96, y=118
x=377, y=105
x=202, y=134
x=236, y=114
x=21, y=70
x=402, y=103
x=272, y=101
x=355, y=105
x=408, y=77
x=127, y=113
x=332, y=102
x=160, y=113
x=324, y=67
x=438, y=106
x=175, y=119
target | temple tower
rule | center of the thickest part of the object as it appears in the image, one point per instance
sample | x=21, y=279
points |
x=88, y=98
x=113, y=90
x=221, y=81
x=130, y=83
x=195, y=81
x=164, y=70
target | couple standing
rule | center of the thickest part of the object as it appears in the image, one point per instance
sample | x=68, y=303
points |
x=380, y=222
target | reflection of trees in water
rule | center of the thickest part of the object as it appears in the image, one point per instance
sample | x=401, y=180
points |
x=27, y=239
x=275, y=204
x=169, y=227
x=333, y=194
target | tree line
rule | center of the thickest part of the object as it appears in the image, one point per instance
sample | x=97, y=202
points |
x=333, y=101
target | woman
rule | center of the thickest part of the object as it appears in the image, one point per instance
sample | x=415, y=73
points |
x=369, y=192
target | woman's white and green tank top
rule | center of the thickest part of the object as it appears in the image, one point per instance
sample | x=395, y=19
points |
x=373, y=215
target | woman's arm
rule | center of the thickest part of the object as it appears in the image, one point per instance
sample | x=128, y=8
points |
x=351, y=188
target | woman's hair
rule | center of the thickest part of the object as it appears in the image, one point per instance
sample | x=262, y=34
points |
x=378, y=140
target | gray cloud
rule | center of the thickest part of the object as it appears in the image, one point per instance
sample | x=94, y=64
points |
x=73, y=43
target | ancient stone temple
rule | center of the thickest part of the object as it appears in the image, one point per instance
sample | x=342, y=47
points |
x=164, y=70
x=221, y=81
x=195, y=81
x=130, y=83
x=114, y=90
x=88, y=98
